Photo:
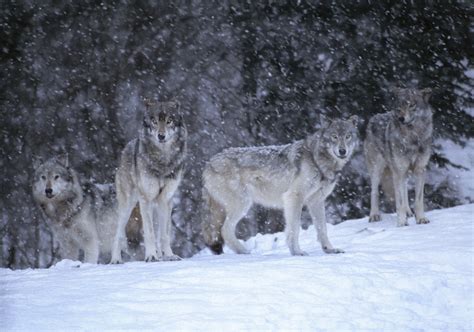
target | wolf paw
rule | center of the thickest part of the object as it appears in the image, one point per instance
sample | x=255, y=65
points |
x=402, y=224
x=423, y=221
x=152, y=258
x=375, y=218
x=116, y=260
x=170, y=258
x=409, y=213
x=300, y=253
x=242, y=251
x=333, y=251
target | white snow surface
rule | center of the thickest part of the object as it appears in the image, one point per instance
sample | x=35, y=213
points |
x=460, y=179
x=416, y=278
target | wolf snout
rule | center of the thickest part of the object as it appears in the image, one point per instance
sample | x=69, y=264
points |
x=48, y=192
x=401, y=119
x=161, y=137
x=342, y=152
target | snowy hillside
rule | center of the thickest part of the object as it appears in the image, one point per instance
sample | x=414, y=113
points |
x=414, y=278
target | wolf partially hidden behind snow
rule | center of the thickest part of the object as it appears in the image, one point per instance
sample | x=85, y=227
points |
x=81, y=216
x=399, y=142
x=285, y=177
x=150, y=171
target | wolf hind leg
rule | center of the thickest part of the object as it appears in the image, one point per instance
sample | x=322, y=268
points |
x=235, y=211
x=376, y=172
x=126, y=203
x=213, y=216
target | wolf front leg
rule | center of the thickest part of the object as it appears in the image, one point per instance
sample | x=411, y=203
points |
x=292, y=205
x=151, y=252
x=400, y=186
x=91, y=252
x=419, y=196
x=163, y=212
x=317, y=211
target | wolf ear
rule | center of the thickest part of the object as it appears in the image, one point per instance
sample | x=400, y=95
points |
x=149, y=103
x=397, y=91
x=426, y=94
x=146, y=118
x=175, y=105
x=354, y=119
x=324, y=121
x=146, y=111
x=37, y=162
x=180, y=120
x=63, y=159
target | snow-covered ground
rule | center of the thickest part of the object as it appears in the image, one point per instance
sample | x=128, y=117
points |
x=461, y=179
x=416, y=278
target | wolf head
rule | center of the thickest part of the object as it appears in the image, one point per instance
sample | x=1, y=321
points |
x=339, y=137
x=410, y=104
x=53, y=179
x=162, y=121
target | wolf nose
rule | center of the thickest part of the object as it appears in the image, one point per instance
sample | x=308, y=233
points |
x=48, y=191
x=401, y=119
x=342, y=152
x=161, y=137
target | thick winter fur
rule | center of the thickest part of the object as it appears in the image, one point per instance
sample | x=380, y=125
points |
x=150, y=171
x=81, y=216
x=400, y=142
x=285, y=177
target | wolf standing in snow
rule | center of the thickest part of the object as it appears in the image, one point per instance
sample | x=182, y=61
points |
x=81, y=216
x=398, y=142
x=150, y=171
x=286, y=177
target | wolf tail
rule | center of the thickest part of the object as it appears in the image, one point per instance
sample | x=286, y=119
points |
x=134, y=228
x=213, y=217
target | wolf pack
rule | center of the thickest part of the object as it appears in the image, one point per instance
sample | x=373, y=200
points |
x=132, y=219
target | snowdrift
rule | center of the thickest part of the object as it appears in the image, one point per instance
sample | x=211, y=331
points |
x=412, y=278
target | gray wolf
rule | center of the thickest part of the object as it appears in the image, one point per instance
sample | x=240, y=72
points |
x=82, y=216
x=285, y=177
x=150, y=171
x=399, y=142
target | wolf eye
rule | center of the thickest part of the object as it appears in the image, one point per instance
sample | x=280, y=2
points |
x=410, y=104
x=43, y=177
x=334, y=136
x=348, y=136
x=153, y=120
x=56, y=177
x=169, y=121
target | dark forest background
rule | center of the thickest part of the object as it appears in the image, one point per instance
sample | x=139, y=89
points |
x=74, y=73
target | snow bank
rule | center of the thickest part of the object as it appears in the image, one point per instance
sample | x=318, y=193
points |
x=413, y=278
x=462, y=179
